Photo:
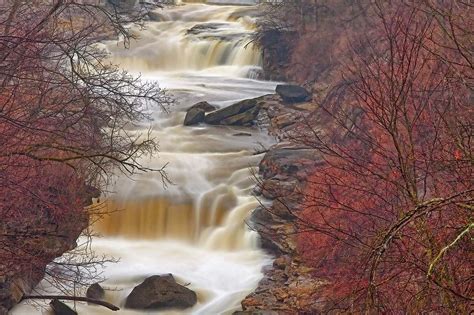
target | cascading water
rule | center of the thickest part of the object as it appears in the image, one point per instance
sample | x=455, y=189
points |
x=195, y=228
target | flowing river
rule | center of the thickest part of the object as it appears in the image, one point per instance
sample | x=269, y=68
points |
x=195, y=228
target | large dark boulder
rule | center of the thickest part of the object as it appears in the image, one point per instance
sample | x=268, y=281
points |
x=243, y=119
x=293, y=93
x=223, y=116
x=205, y=106
x=160, y=292
x=194, y=116
x=95, y=292
x=59, y=308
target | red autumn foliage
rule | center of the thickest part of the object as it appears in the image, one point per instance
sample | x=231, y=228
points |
x=64, y=112
x=388, y=216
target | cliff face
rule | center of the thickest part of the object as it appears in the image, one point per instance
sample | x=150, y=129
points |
x=287, y=287
x=303, y=46
x=27, y=247
x=277, y=48
x=307, y=43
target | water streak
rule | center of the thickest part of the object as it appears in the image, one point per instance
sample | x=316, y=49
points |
x=196, y=228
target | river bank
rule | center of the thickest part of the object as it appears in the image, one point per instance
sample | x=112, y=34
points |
x=204, y=213
x=194, y=228
x=288, y=286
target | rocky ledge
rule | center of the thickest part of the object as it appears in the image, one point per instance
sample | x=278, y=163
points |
x=30, y=247
x=288, y=286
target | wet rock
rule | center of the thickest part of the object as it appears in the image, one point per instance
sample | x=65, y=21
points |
x=244, y=119
x=288, y=159
x=205, y=106
x=282, y=262
x=242, y=134
x=59, y=308
x=284, y=120
x=308, y=107
x=278, y=186
x=204, y=27
x=284, y=208
x=96, y=292
x=213, y=31
x=289, y=286
x=293, y=93
x=245, y=111
x=194, y=116
x=255, y=73
x=11, y=292
x=158, y=292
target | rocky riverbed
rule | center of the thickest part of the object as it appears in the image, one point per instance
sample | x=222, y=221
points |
x=287, y=286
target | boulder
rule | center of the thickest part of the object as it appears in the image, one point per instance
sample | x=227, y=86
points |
x=293, y=93
x=194, y=116
x=289, y=159
x=205, y=106
x=95, y=291
x=205, y=27
x=223, y=115
x=243, y=119
x=158, y=292
x=59, y=308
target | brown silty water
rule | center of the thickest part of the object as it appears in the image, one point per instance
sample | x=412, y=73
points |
x=195, y=228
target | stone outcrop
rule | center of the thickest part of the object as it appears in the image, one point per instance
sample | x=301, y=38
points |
x=36, y=245
x=243, y=113
x=158, y=292
x=95, y=292
x=194, y=116
x=277, y=48
x=46, y=242
x=12, y=289
x=205, y=106
x=196, y=113
x=293, y=93
x=288, y=286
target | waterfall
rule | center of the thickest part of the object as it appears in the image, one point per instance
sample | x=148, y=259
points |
x=182, y=39
x=196, y=227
